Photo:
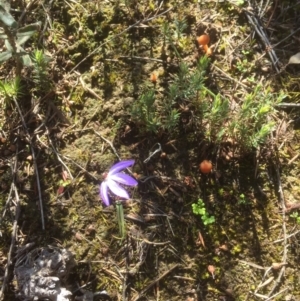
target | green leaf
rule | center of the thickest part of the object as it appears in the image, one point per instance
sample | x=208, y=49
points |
x=265, y=109
x=26, y=32
x=5, y=55
x=26, y=60
x=6, y=18
x=20, y=51
x=5, y=4
x=8, y=46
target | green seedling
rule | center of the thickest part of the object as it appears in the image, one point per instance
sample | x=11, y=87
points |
x=10, y=89
x=199, y=209
x=242, y=200
x=144, y=112
x=295, y=215
x=40, y=74
x=252, y=123
x=154, y=115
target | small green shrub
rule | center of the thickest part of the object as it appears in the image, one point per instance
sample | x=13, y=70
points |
x=153, y=115
x=247, y=122
x=10, y=89
x=40, y=74
x=174, y=35
x=144, y=112
x=253, y=121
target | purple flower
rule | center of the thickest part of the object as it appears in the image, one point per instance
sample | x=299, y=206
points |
x=114, y=177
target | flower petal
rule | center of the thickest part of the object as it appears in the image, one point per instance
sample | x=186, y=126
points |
x=120, y=166
x=124, y=179
x=104, y=193
x=117, y=189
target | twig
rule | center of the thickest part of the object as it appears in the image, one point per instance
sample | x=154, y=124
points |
x=254, y=265
x=113, y=148
x=86, y=88
x=154, y=243
x=152, y=153
x=255, y=22
x=287, y=37
x=275, y=295
x=228, y=76
x=262, y=10
x=288, y=105
x=260, y=296
x=293, y=159
x=111, y=145
x=27, y=8
x=34, y=163
x=12, y=42
x=79, y=166
x=185, y=278
x=101, y=45
x=288, y=236
x=58, y=156
x=154, y=282
x=140, y=58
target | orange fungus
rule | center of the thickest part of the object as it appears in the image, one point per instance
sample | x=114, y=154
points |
x=205, y=166
x=203, y=40
x=153, y=77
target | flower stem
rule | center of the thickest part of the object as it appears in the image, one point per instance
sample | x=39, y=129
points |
x=120, y=218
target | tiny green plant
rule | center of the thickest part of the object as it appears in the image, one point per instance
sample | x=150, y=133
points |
x=249, y=125
x=154, y=115
x=216, y=115
x=144, y=112
x=188, y=82
x=252, y=124
x=180, y=27
x=170, y=36
x=242, y=200
x=296, y=217
x=40, y=74
x=10, y=89
x=199, y=209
